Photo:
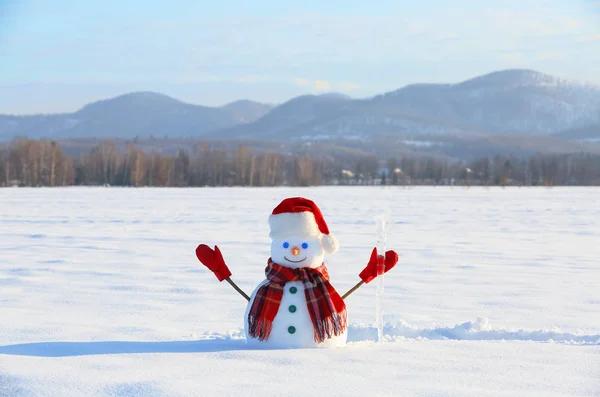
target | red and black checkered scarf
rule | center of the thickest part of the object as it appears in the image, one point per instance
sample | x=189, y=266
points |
x=326, y=307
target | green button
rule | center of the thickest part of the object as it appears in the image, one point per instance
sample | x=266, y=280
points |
x=293, y=290
x=292, y=308
x=291, y=329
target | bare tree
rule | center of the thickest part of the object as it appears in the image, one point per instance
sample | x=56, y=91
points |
x=42, y=163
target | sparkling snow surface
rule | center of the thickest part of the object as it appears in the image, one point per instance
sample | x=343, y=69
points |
x=497, y=293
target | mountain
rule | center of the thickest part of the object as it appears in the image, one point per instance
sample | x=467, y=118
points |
x=293, y=116
x=506, y=102
x=584, y=134
x=511, y=101
x=131, y=115
x=245, y=111
x=522, y=111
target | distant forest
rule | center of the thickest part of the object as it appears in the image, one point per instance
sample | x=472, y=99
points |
x=26, y=162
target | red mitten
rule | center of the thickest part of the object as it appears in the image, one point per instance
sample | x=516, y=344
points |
x=213, y=259
x=369, y=273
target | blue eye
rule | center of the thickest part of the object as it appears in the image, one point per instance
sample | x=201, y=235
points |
x=286, y=244
x=304, y=245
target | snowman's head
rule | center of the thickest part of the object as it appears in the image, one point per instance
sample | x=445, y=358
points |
x=300, y=236
x=295, y=252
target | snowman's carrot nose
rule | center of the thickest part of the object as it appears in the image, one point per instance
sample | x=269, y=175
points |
x=295, y=251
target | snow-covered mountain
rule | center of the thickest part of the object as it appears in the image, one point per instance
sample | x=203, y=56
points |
x=245, y=111
x=506, y=102
x=522, y=102
x=140, y=114
x=585, y=134
x=512, y=101
x=293, y=116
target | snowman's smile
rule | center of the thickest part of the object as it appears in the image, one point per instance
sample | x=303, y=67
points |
x=289, y=260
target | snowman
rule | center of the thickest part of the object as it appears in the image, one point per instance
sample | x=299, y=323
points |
x=296, y=306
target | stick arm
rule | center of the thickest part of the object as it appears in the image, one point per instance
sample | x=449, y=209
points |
x=351, y=290
x=238, y=289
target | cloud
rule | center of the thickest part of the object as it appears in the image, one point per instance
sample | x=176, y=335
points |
x=550, y=56
x=512, y=56
x=445, y=35
x=526, y=22
x=251, y=78
x=594, y=37
x=572, y=22
x=404, y=45
x=321, y=85
x=348, y=86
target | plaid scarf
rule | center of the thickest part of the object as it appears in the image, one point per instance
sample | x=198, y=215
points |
x=326, y=308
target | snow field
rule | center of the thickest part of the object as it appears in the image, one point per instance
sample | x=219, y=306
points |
x=495, y=293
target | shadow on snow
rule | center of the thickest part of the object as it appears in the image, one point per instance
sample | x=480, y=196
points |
x=478, y=330
x=70, y=349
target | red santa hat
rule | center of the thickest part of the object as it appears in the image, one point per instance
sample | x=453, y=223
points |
x=298, y=216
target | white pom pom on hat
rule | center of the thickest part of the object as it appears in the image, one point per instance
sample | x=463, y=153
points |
x=299, y=216
x=330, y=244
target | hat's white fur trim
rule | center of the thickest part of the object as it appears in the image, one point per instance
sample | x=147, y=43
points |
x=293, y=224
x=300, y=224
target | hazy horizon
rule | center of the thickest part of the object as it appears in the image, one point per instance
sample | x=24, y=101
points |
x=59, y=57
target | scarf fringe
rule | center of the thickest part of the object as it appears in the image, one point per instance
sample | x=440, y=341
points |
x=260, y=327
x=331, y=326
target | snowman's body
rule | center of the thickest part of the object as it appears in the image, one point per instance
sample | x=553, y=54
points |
x=292, y=326
x=282, y=335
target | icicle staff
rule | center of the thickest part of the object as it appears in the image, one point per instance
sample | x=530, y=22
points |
x=381, y=222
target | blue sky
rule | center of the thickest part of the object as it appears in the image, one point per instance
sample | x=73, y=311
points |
x=55, y=56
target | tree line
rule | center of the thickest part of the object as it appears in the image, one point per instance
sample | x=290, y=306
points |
x=27, y=162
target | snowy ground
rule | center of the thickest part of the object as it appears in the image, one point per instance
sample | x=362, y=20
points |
x=497, y=293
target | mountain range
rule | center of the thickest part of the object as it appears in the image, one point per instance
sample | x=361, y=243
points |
x=135, y=114
x=511, y=103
